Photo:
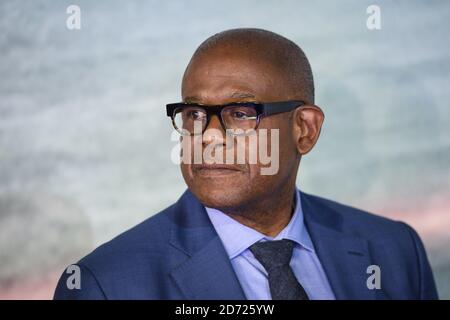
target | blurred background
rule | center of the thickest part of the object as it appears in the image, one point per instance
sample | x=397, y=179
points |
x=85, y=144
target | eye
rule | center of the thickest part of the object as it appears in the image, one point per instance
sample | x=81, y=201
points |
x=195, y=114
x=241, y=115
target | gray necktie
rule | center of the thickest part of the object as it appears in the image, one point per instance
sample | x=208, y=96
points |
x=275, y=257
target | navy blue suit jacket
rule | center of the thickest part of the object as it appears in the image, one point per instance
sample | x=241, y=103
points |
x=176, y=254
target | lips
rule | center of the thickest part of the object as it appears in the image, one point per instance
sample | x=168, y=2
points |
x=216, y=169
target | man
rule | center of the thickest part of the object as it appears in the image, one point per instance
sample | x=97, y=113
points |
x=238, y=233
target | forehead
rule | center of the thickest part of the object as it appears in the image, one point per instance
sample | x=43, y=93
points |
x=222, y=77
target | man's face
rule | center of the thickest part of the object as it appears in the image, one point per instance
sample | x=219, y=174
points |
x=225, y=76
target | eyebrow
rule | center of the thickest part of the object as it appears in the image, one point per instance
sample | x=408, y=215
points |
x=235, y=95
x=191, y=99
x=242, y=95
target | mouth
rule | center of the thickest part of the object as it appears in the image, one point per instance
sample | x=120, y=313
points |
x=215, y=169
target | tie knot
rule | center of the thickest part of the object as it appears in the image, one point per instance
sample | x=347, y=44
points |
x=273, y=254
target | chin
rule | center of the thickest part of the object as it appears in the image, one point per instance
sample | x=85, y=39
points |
x=220, y=191
x=219, y=197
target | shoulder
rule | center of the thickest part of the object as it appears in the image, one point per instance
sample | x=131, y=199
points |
x=120, y=266
x=393, y=245
x=145, y=240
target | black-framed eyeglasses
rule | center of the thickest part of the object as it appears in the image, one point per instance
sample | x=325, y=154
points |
x=193, y=118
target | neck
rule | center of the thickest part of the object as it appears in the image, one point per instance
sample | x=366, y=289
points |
x=269, y=216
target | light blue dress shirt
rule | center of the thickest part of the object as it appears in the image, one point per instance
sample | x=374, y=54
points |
x=237, y=238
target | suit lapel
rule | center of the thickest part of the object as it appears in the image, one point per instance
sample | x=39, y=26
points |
x=344, y=257
x=204, y=270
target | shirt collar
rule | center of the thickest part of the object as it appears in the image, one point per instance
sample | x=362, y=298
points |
x=237, y=237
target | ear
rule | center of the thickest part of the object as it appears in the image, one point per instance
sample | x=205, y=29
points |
x=306, y=128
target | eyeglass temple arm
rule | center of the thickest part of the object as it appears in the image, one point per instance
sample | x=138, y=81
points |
x=279, y=107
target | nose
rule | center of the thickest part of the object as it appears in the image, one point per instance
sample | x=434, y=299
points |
x=214, y=132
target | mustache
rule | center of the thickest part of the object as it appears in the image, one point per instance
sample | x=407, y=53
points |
x=218, y=166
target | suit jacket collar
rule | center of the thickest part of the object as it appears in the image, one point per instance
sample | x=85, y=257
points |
x=344, y=256
x=204, y=271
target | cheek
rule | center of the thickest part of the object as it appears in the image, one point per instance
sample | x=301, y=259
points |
x=186, y=172
x=276, y=153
